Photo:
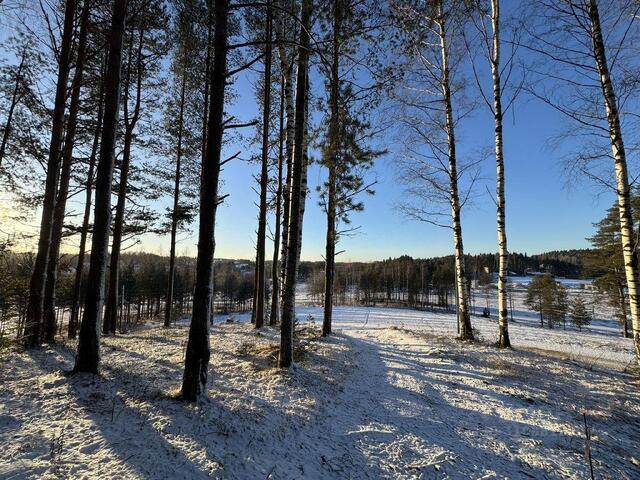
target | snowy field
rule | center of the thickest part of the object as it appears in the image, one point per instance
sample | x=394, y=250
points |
x=390, y=395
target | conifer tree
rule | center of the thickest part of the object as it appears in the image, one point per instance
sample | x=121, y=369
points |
x=88, y=356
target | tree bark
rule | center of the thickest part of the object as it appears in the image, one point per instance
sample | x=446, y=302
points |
x=289, y=290
x=207, y=80
x=88, y=357
x=275, y=270
x=332, y=159
x=260, y=293
x=176, y=206
x=503, y=253
x=622, y=177
x=305, y=177
x=111, y=310
x=73, y=318
x=286, y=66
x=33, y=323
x=194, y=380
x=466, y=332
x=65, y=177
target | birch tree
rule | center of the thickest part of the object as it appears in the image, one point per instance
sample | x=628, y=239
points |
x=586, y=71
x=286, y=31
x=295, y=196
x=431, y=41
x=505, y=86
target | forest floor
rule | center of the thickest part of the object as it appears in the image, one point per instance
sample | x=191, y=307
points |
x=384, y=397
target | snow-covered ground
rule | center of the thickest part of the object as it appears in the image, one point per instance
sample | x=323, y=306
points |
x=390, y=395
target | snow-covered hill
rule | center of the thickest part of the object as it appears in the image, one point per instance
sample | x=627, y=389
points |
x=390, y=395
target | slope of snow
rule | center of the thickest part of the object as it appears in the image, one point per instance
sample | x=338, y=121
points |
x=592, y=347
x=375, y=400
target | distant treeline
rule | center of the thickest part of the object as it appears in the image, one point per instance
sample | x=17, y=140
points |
x=560, y=263
x=144, y=276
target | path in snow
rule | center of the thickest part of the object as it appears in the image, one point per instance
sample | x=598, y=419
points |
x=369, y=402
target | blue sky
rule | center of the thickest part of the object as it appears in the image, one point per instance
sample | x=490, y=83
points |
x=545, y=209
x=543, y=213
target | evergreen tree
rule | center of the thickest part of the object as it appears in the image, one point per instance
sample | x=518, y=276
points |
x=580, y=315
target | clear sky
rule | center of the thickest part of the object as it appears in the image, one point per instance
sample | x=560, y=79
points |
x=545, y=209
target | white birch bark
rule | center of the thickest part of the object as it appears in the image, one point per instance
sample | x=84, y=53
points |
x=621, y=173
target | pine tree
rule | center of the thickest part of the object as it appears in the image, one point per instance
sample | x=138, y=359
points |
x=194, y=380
x=145, y=48
x=580, y=315
x=344, y=154
x=65, y=175
x=88, y=356
x=183, y=104
x=35, y=311
x=260, y=273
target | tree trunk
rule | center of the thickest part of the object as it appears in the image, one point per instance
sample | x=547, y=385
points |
x=111, y=310
x=305, y=177
x=65, y=177
x=73, y=318
x=194, y=381
x=286, y=66
x=176, y=205
x=289, y=290
x=622, y=312
x=622, y=177
x=207, y=80
x=466, y=333
x=33, y=323
x=88, y=357
x=332, y=159
x=260, y=294
x=503, y=253
x=275, y=279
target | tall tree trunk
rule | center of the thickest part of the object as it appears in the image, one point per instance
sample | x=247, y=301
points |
x=207, y=81
x=260, y=293
x=111, y=310
x=176, y=206
x=332, y=159
x=88, y=357
x=289, y=290
x=286, y=67
x=196, y=363
x=65, y=177
x=275, y=279
x=13, y=103
x=33, y=323
x=622, y=177
x=503, y=253
x=77, y=282
x=305, y=177
x=466, y=333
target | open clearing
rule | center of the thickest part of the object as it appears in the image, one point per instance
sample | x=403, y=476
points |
x=390, y=395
